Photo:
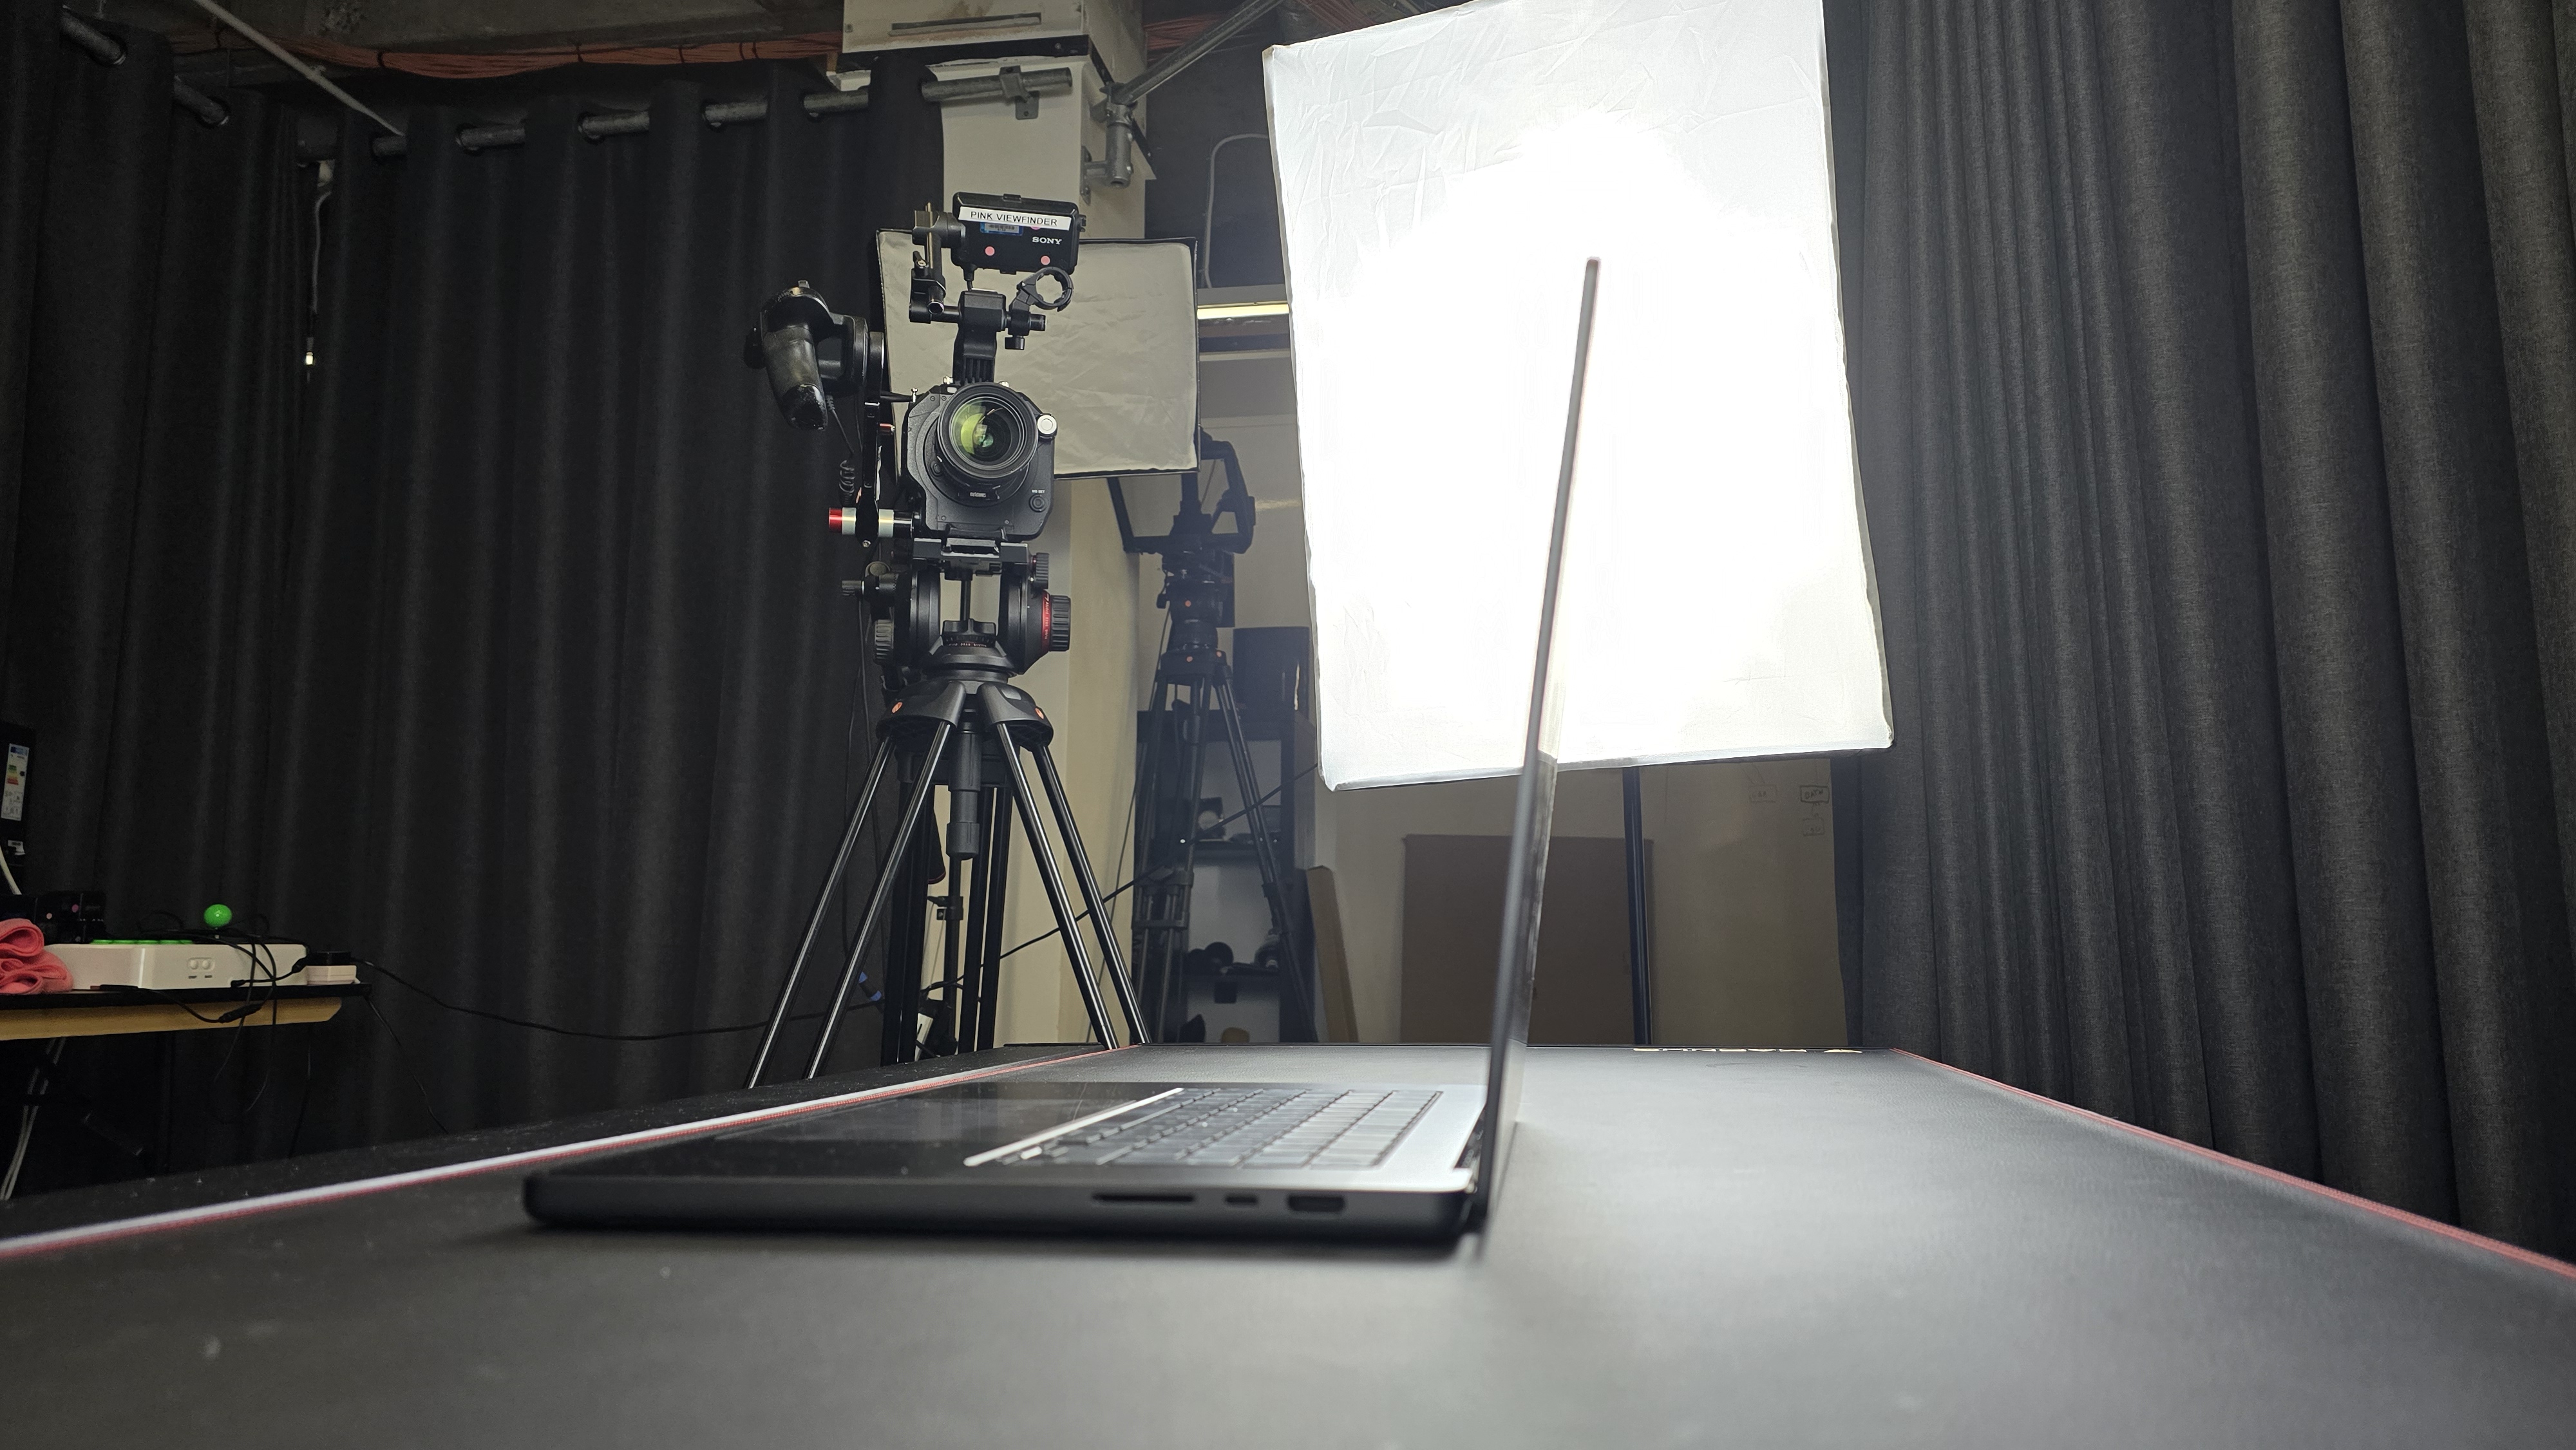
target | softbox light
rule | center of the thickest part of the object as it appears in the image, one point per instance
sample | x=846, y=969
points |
x=1441, y=180
x=1118, y=369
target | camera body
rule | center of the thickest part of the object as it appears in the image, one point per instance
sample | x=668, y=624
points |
x=983, y=456
x=976, y=460
x=982, y=453
x=959, y=487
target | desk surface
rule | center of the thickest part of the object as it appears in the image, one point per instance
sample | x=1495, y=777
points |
x=1692, y=1248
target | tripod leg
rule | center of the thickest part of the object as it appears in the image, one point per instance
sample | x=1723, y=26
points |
x=888, y=875
x=1056, y=901
x=1193, y=742
x=1092, y=901
x=988, y=1001
x=1146, y=915
x=952, y=941
x=1298, y=987
x=1140, y=831
x=977, y=982
x=822, y=910
x=899, y=994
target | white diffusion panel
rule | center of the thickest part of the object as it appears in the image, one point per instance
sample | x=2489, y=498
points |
x=1118, y=369
x=1442, y=180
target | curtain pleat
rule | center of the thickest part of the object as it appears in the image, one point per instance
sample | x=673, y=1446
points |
x=28, y=60
x=2212, y=380
x=607, y=668
x=501, y=643
x=2356, y=831
x=146, y=483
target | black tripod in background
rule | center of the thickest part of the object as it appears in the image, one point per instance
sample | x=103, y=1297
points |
x=1193, y=691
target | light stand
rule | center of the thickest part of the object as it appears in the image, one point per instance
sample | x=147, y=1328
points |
x=1641, y=956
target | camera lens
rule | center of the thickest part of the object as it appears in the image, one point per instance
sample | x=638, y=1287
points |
x=982, y=439
x=982, y=431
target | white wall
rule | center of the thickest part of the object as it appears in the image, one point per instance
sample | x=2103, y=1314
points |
x=1743, y=893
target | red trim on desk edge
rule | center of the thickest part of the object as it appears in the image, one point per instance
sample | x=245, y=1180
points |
x=2452, y=1232
x=84, y=1235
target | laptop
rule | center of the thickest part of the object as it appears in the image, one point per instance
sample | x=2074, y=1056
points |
x=1268, y=1159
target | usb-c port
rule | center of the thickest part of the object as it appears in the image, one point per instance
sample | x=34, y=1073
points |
x=1314, y=1203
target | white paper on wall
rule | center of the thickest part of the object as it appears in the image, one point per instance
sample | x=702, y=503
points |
x=1441, y=181
x=1118, y=368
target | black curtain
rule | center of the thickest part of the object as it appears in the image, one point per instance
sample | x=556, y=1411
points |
x=150, y=362
x=2215, y=372
x=502, y=642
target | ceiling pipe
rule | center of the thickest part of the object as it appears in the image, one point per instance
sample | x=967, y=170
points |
x=106, y=49
x=1012, y=87
x=294, y=62
x=1117, y=108
x=622, y=123
x=1008, y=84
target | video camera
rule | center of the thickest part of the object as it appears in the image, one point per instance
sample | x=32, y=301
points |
x=978, y=455
x=974, y=479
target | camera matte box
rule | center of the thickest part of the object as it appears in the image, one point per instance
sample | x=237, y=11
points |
x=1441, y=181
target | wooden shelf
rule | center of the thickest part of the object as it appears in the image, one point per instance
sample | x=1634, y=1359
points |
x=93, y=1013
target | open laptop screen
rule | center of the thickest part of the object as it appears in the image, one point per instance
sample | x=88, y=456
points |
x=1533, y=809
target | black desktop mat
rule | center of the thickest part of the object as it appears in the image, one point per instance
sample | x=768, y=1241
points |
x=1692, y=1248
x=107, y=1202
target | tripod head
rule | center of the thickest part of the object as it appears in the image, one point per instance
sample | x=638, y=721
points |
x=908, y=638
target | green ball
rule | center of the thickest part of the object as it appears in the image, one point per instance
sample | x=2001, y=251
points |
x=219, y=916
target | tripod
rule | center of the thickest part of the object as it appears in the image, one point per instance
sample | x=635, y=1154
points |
x=1194, y=687
x=971, y=486
x=962, y=725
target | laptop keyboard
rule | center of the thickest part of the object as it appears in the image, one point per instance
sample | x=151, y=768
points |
x=1245, y=1128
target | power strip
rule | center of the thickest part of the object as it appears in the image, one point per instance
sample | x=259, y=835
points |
x=181, y=966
